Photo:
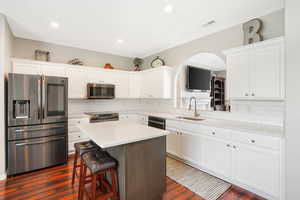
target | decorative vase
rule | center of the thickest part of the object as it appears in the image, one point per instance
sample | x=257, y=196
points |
x=108, y=66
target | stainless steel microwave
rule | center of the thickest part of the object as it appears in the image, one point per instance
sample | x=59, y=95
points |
x=100, y=91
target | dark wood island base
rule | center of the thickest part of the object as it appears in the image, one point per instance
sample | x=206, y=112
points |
x=141, y=169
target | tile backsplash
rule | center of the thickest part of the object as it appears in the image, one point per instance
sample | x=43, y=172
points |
x=265, y=112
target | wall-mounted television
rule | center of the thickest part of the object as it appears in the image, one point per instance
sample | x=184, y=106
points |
x=198, y=79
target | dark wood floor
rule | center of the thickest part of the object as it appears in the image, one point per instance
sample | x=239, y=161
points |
x=55, y=184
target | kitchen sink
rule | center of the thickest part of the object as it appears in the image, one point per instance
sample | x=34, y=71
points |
x=191, y=118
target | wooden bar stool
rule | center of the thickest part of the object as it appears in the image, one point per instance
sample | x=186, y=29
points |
x=80, y=149
x=94, y=185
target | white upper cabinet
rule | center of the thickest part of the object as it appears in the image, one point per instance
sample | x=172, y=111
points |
x=157, y=83
x=256, y=71
x=266, y=71
x=95, y=75
x=238, y=68
x=151, y=83
x=52, y=70
x=121, y=82
x=135, y=81
x=77, y=82
x=26, y=68
x=39, y=68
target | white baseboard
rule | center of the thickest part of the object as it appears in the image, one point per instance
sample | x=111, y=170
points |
x=2, y=176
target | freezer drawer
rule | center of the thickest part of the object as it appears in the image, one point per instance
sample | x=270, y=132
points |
x=33, y=154
x=30, y=132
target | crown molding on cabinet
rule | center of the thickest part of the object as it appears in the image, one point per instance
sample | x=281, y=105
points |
x=255, y=45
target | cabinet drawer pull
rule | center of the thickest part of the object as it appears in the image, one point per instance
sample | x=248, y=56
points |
x=253, y=94
x=252, y=141
x=234, y=146
x=228, y=145
x=213, y=133
x=246, y=94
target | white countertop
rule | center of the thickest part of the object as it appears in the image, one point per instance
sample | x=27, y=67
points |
x=110, y=134
x=252, y=128
x=248, y=127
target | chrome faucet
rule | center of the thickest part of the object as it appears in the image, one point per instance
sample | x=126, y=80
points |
x=190, y=106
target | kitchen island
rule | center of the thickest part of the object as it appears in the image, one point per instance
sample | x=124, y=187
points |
x=141, y=154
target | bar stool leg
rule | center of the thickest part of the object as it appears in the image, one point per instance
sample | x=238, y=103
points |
x=94, y=187
x=82, y=178
x=100, y=180
x=114, y=184
x=74, y=167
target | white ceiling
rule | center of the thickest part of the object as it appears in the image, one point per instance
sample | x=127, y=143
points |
x=143, y=25
x=207, y=61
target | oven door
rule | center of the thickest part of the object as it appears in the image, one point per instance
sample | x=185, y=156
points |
x=55, y=99
x=100, y=91
x=38, y=153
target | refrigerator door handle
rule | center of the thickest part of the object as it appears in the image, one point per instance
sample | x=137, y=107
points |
x=39, y=142
x=39, y=98
x=39, y=129
x=43, y=97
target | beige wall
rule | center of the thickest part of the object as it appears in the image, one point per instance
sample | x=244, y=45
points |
x=292, y=100
x=217, y=42
x=5, y=54
x=24, y=48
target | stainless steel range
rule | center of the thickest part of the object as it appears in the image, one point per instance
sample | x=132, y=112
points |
x=37, y=116
x=102, y=116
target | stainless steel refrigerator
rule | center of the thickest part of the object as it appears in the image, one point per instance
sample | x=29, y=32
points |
x=37, y=122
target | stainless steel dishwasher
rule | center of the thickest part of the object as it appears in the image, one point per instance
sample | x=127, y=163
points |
x=157, y=122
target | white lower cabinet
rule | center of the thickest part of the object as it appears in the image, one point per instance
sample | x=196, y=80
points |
x=184, y=145
x=216, y=156
x=74, y=134
x=250, y=161
x=191, y=147
x=258, y=168
x=173, y=143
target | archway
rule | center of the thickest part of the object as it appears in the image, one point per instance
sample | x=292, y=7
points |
x=202, y=60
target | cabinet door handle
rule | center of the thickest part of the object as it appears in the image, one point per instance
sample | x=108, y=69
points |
x=253, y=94
x=252, y=141
x=213, y=133
x=234, y=146
x=228, y=145
x=246, y=94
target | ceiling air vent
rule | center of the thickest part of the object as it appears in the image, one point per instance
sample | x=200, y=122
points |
x=209, y=23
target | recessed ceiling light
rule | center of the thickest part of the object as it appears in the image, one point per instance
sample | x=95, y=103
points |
x=120, y=41
x=54, y=24
x=168, y=9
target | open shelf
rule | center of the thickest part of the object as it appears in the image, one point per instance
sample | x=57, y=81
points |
x=218, y=93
